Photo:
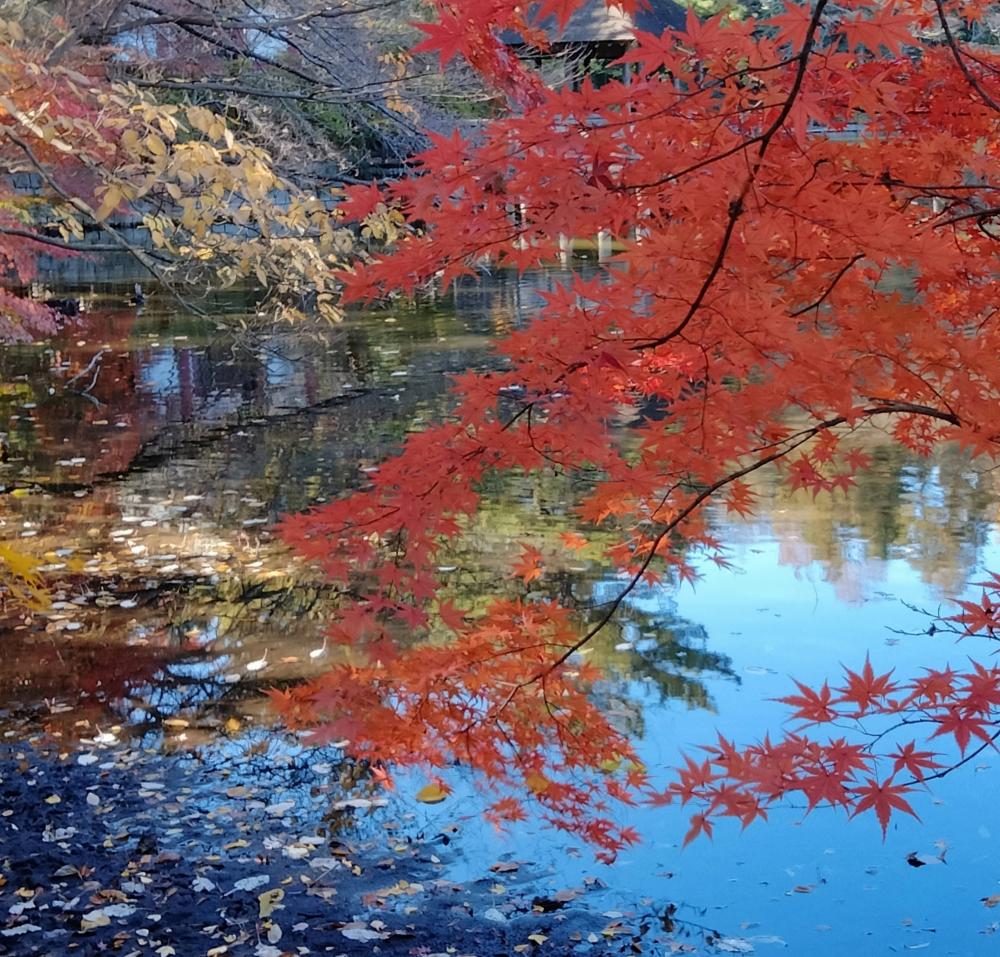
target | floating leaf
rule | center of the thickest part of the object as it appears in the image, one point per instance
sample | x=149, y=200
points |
x=269, y=901
x=537, y=783
x=251, y=883
x=433, y=793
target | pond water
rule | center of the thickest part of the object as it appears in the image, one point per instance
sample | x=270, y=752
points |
x=148, y=455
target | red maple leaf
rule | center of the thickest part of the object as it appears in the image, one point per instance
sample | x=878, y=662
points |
x=866, y=689
x=700, y=824
x=813, y=707
x=915, y=762
x=978, y=617
x=360, y=201
x=883, y=799
x=963, y=726
x=530, y=566
x=883, y=28
x=448, y=38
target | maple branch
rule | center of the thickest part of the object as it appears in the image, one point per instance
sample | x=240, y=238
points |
x=829, y=289
x=735, y=211
x=965, y=760
x=980, y=215
x=214, y=86
x=737, y=205
x=767, y=135
x=959, y=58
x=884, y=407
x=223, y=22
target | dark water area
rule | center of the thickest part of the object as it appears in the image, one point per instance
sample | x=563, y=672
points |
x=148, y=455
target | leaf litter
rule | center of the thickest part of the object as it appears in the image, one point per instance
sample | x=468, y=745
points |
x=268, y=857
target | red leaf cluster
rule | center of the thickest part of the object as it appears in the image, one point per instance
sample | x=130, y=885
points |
x=767, y=185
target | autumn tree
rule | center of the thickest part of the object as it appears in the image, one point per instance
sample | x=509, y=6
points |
x=325, y=85
x=769, y=183
x=83, y=149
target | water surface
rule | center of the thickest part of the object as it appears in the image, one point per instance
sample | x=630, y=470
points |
x=149, y=455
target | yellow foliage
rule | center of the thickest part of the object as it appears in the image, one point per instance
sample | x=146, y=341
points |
x=19, y=576
x=221, y=209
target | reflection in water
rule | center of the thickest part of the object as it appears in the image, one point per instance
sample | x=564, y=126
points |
x=149, y=455
x=936, y=514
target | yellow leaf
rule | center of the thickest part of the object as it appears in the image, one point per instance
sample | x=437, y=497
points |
x=155, y=145
x=130, y=140
x=112, y=199
x=537, y=938
x=270, y=900
x=53, y=799
x=199, y=118
x=537, y=783
x=233, y=725
x=433, y=793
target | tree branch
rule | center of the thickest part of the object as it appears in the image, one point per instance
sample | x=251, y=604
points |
x=956, y=53
x=58, y=243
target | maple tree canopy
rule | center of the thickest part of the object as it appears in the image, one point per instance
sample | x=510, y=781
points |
x=808, y=211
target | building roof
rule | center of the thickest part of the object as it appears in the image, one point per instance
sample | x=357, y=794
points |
x=594, y=22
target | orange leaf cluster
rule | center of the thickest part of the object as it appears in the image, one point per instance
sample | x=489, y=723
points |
x=807, y=212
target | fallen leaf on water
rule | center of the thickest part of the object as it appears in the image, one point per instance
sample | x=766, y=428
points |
x=733, y=945
x=432, y=793
x=359, y=803
x=21, y=929
x=102, y=916
x=250, y=883
x=991, y=901
x=361, y=932
x=269, y=901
